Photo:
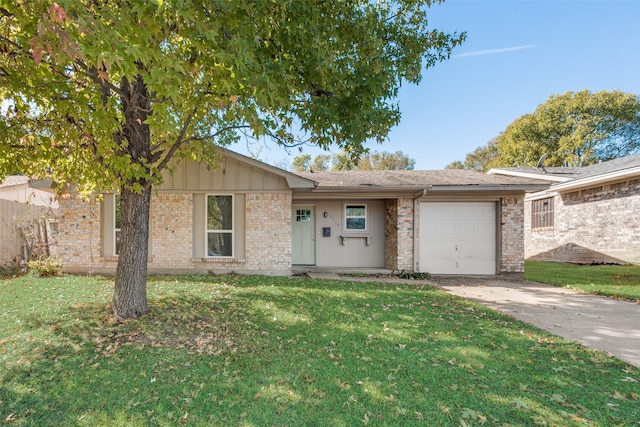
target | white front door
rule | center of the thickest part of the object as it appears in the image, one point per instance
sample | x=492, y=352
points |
x=303, y=234
x=458, y=238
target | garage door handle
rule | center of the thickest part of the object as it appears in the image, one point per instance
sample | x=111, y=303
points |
x=456, y=248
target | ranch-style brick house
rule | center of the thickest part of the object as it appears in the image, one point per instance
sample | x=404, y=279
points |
x=249, y=217
x=588, y=214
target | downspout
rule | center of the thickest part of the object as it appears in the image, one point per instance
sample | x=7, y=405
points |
x=416, y=231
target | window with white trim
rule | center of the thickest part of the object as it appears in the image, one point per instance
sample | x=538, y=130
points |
x=117, y=224
x=355, y=217
x=219, y=226
x=542, y=213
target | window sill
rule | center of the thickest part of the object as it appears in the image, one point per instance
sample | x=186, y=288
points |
x=219, y=260
x=542, y=229
x=114, y=258
x=345, y=236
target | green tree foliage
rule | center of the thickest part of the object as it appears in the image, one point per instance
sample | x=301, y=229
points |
x=572, y=129
x=305, y=162
x=301, y=163
x=386, y=161
x=479, y=159
x=105, y=94
x=343, y=161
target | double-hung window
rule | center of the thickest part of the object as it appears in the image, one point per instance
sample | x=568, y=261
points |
x=355, y=217
x=219, y=226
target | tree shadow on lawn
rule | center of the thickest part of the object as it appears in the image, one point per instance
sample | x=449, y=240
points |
x=307, y=352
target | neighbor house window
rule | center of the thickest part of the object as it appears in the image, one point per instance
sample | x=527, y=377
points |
x=355, y=217
x=542, y=213
x=117, y=223
x=220, y=226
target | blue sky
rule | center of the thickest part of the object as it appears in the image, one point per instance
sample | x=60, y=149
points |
x=516, y=55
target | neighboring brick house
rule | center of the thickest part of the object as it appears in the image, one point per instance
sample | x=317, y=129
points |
x=248, y=217
x=588, y=215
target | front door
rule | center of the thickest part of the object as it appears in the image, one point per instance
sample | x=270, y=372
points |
x=304, y=236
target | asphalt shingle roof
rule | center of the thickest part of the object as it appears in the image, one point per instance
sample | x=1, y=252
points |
x=602, y=168
x=614, y=165
x=411, y=179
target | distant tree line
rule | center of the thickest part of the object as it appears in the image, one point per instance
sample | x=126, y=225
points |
x=343, y=161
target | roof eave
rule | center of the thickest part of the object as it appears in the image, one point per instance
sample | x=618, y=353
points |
x=490, y=188
x=545, y=177
x=43, y=184
x=595, y=180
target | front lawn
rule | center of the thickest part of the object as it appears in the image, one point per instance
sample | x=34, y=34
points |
x=618, y=281
x=262, y=351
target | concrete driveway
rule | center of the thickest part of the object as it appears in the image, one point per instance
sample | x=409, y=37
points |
x=596, y=322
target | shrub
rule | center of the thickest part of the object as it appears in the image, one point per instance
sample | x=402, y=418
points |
x=413, y=275
x=47, y=267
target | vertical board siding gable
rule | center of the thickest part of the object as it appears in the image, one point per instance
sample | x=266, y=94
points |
x=228, y=175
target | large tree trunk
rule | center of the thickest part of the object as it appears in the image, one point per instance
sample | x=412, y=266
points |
x=130, y=298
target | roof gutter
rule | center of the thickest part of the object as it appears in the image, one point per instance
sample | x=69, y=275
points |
x=505, y=187
x=366, y=189
x=423, y=192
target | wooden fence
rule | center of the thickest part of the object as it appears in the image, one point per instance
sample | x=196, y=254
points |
x=26, y=231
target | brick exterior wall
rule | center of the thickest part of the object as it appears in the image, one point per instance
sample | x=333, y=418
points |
x=390, y=234
x=79, y=233
x=405, y=234
x=399, y=233
x=267, y=236
x=171, y=231
x=593, y=225
x=268, y=219
x=511, y=235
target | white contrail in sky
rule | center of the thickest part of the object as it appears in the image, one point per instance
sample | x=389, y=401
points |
x=493, y=51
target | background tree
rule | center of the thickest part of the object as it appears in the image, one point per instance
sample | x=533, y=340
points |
x=305, y=162
x=343, y=161
x=321, y=162
x=106, y=94
x=386, y=161
x=301, y=163
x=479, y=159
x=573, y=129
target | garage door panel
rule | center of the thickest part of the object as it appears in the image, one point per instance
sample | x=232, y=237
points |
x=440, y=247
x=458, y=237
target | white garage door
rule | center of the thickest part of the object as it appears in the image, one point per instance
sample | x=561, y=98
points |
x=458, y=238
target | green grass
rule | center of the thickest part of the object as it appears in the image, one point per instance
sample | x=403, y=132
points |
x=261, y=351
x=618, y=281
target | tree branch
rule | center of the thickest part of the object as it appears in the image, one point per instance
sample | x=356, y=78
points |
x=178, y=143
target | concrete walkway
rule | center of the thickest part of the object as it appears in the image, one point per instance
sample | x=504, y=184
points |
x=596, y=322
